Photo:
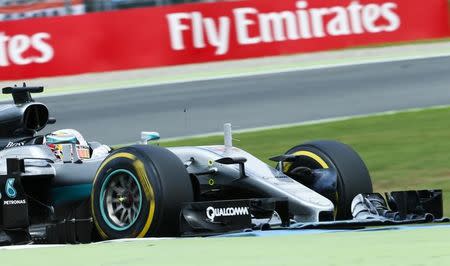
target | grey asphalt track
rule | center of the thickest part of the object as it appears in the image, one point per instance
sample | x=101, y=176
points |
x=118, y=116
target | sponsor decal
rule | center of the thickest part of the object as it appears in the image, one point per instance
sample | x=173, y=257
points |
x=212, y=212
x=301, y=23
x=15, y=202
x=22, y=49
x=14, y=144
x=9, y=188
x=204, y=32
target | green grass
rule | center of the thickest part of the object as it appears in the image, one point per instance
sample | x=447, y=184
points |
x=408, y=150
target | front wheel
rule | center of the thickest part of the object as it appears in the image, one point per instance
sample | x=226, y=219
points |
x=138, y=191
x=352, y=175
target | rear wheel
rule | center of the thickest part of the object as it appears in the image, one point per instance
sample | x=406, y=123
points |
x=352, y=175
x=138, y=191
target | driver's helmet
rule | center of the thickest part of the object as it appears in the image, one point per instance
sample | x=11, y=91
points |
x=56, y=139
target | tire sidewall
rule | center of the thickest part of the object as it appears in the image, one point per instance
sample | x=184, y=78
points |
x=353, y=177
x=145, y=172
x=330, y=164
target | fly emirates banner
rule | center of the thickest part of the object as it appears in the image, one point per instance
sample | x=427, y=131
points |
x=195, y=33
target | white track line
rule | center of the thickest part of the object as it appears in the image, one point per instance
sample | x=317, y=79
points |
x=20, y=247
x=124, y=240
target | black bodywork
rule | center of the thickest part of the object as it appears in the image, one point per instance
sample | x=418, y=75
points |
x=50, y=206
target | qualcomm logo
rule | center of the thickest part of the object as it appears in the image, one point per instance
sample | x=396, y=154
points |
x=212, y=212
x=9, y=188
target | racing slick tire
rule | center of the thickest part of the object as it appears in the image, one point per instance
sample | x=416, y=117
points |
x=138, y=191
x=353, y=177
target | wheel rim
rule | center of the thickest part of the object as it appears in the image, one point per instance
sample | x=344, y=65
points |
x=120, y=199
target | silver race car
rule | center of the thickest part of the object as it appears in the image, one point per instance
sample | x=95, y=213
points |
x=60, y=188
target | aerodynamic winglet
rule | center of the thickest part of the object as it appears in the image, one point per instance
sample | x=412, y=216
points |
x=284, y=158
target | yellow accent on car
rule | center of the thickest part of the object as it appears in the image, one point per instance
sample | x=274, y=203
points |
x=335, y=210
x=117, y=155
x=309, y=154
x=320, y=161
x=142, y=175
x=313, y=156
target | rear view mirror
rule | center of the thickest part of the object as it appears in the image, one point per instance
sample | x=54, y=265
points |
x=146, y=137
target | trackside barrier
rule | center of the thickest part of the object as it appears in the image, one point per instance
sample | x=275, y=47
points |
x=194, y=33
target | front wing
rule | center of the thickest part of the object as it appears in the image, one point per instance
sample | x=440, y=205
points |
x=218, y=217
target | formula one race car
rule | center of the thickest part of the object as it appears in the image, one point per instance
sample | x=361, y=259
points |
x=59, y=188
